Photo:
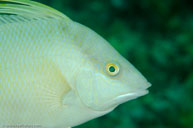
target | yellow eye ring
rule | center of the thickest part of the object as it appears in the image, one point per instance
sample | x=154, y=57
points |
x=112, y=69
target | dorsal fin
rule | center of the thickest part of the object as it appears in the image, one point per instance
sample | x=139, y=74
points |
x=26, y=9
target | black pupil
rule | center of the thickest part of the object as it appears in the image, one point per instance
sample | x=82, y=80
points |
x=112, y=69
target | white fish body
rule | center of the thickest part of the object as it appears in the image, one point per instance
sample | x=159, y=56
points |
x=55, y=72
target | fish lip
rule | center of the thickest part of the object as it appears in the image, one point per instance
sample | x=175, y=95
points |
x=130, y=96
x=120, y=99
x=137, y=94
x=148, y=85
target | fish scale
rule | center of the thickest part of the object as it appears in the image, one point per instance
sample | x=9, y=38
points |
x=11, y=64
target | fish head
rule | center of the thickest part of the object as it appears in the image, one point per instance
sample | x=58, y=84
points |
x=106, y=79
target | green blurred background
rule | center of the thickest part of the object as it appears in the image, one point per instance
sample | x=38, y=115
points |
x=157, y=37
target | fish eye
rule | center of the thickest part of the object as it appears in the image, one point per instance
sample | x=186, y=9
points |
x=112, y=69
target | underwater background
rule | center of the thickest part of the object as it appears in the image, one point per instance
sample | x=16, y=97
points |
x=156, y=36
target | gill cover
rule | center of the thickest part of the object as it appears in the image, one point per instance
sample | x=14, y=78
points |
x=97, y=91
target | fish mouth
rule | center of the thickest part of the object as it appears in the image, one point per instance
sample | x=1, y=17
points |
x=112, y=104
x=129, y=96
x=132, y=94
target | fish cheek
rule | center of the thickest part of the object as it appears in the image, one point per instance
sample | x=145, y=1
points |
x=94, y=91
